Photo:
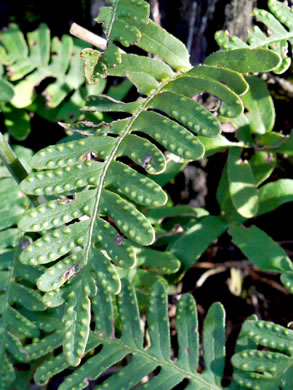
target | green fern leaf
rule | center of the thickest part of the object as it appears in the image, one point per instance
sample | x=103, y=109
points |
x=6, y=91
x=161, y=262
x=260, y=105
x=179, y=140
x=280, y=143
x=287, y=280
x=189, y=247
x=157, y=354
x=262, y=168
x=242, y=185
x=23, y=315
x=272, y=195
x=271, y=257
x=279, y=24
x=15, y=116
x=15, y=324
x=119, y=25
x=100, y=197
x=29, y=64
x=129, y=24
x=168, y=48
x=245, y=60
x=11, y=209
x=265, y=369
x=132, y=63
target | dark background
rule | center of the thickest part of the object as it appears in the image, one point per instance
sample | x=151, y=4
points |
x=175, y=16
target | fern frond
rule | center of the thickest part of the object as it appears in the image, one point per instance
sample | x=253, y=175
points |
x=270, y=368
x=279, y=24
x=101, y=198
x=11, y=210
x=29, y=64
x=18, y=298
x=129, y=24
x=157, y=354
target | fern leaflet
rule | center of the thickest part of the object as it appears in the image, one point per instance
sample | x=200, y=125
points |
x=270, y=368
x=19, y=302
x=156, y=354
x=279, y=23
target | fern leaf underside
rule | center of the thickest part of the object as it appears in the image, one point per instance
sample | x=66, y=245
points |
x=145, y=360
x=97, y=206
x=279, y=23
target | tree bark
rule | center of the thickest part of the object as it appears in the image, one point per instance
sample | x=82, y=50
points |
x=239, y=17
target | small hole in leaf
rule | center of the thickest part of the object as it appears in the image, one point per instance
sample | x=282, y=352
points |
x=112, y=370
x=119, y=240
x=67, y=274
x=65, y=201
x=71, y=271
x=24, y=244
x=152, y=140
x=154, y=373
x=127, y=161
x=146, y=161
x=182, y=385
x=89, y=156
x=210, y=102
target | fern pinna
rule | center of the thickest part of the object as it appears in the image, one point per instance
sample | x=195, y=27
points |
x=279, y=23
x=263, y=358
x=22, y=312
x=145, y=359
x=93, y=224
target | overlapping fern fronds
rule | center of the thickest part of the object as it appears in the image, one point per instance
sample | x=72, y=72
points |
x=156, y=355
x=278, y=35
x=96, y=201
x=28, y=63
x=25, y=62
x=266, y=360
x=20, y=303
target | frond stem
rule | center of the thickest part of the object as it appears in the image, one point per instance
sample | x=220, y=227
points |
x=112, y=156
x=160, y=362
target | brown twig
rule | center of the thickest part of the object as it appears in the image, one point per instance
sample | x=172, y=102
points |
x=207, y=274
x=270, y=282
x=285, y=242
x=246, y=266
x=82, y=33
x=227, y=264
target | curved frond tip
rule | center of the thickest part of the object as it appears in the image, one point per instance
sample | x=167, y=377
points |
x=277, y=37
